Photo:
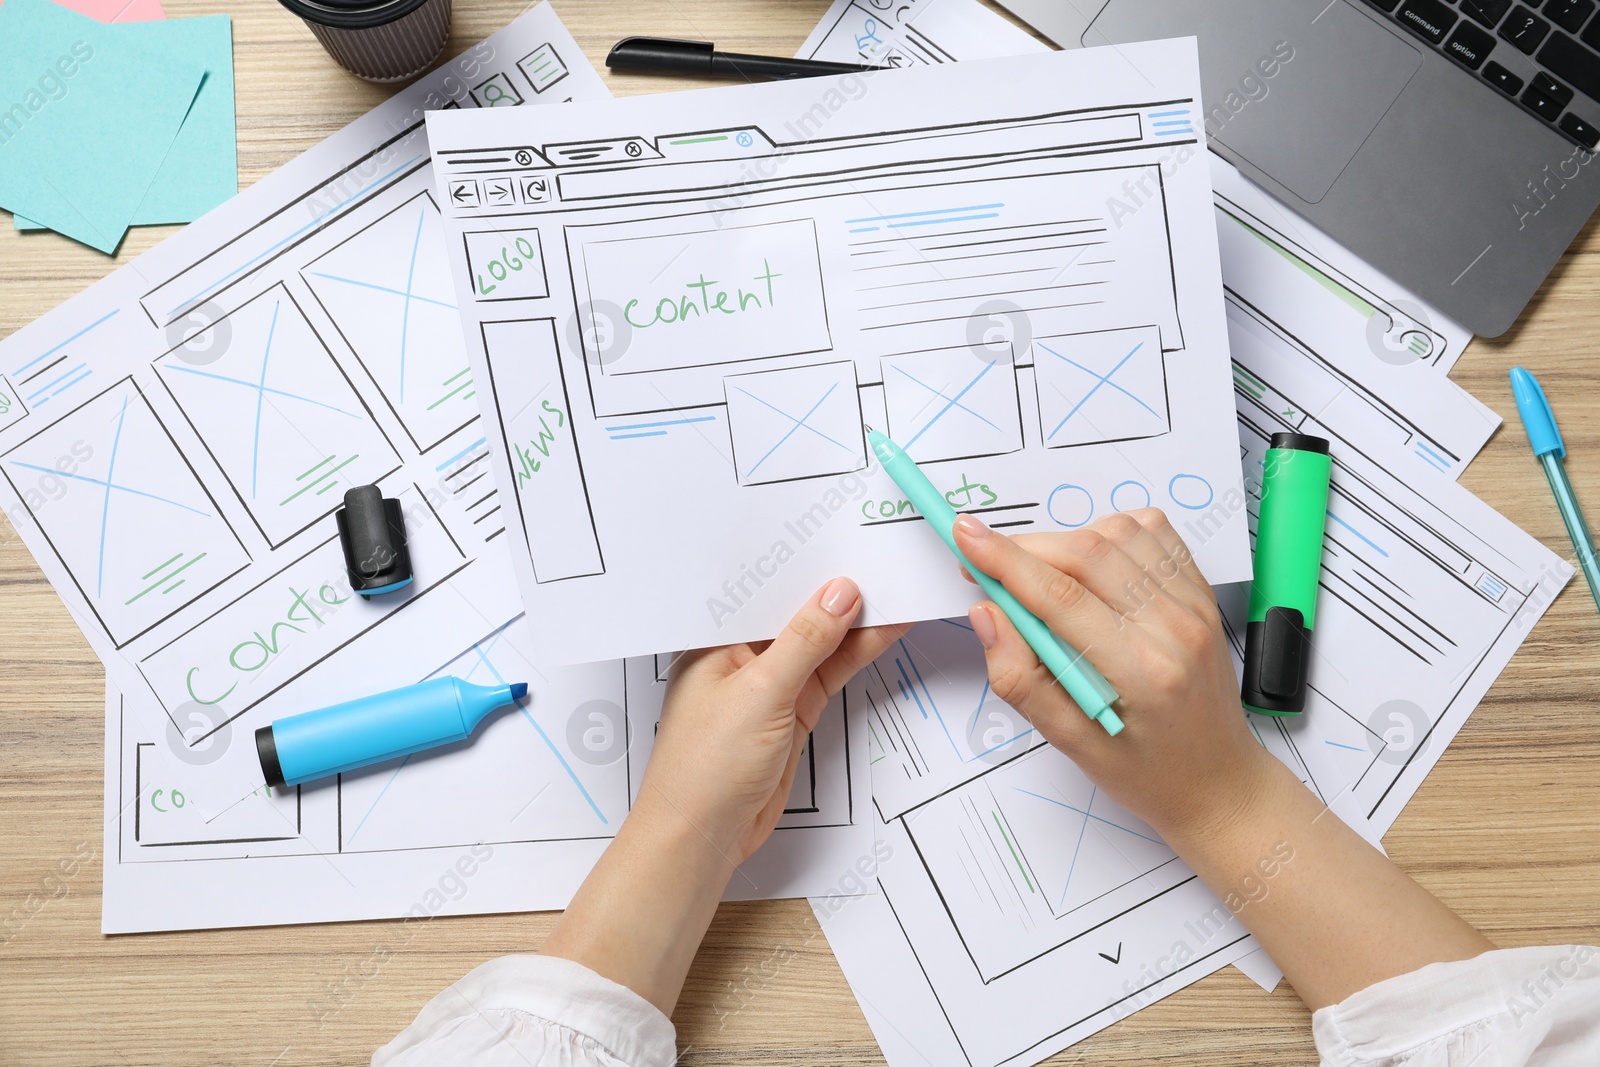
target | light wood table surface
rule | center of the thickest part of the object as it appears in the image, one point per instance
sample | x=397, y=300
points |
x=1506, y=829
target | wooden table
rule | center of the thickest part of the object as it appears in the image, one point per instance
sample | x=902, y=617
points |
x=1506, y=829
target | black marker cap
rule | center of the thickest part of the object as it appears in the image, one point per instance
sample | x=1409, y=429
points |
x=1300, y=442
x=267, y=752
x=372, y=531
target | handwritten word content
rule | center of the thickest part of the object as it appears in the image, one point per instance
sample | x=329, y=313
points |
x=705, y=297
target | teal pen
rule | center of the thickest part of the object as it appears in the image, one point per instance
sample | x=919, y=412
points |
x=1545, y=438
x=1075, y=673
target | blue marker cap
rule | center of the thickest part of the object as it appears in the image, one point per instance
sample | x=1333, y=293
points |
x=1537, y=418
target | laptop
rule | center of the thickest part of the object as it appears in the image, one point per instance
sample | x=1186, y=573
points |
x=1447, y=143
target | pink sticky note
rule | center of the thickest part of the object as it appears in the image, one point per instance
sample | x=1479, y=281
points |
x=117, y=10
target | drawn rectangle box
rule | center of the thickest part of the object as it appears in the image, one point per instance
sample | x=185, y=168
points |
x=702, y=297
x=542, y=67
x=117, y=501
x=11, y=406
x=953, y=403
x=801, y=422
x=506, y=265
x=552, y=495
x=1101, y=386
x=163, y=817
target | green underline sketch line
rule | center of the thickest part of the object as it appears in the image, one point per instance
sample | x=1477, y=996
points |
x=456, y=375
x=1016, y=858
x=164, y=579
x=302, y=475
x=173, y=586
x=464, y=385
x=158, y=566
x=325, y=488
x=325, y=476
x=699, y=140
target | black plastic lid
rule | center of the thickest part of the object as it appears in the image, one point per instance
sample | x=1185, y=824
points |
x=267, y=753
x=352, y=14
x=1301, y=442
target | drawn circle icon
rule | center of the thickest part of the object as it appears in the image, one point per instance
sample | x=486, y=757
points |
x=744, y=140
x=524, y=157
x=597, y=732
x=1400, y=348
x=997, y=330
x=998, y=733
x=189, y=736
x=600, y=331
x=1129, y=499
x=201, y=335
x=1397, y=731
x=1070, y=505
x=1189, y=498
x=633, y=148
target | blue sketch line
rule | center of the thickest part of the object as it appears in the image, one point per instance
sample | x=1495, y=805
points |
x=1424, y=446
x=1099, y=381
x=1174, y=122
x=1336, y=744
x=668, y=422
x=1073, y=866
x=798, y=424
x=973, y=725
x=70, y=384
x=1096, y=818
x=1106, y=380
x=928, y=693
x=1187, y=130
x=950, y=403
x=105, y=506
x=379, y=797
x=631, y=436
x=941, y=395
x=933, y=211
x=384, y=289
x=265, y=389
x=941, y=222
x=523, y=707
x=1358, y=533
x=1165, y=114
x=261, y=397
x=52, y=351
x=66, y=374
x=1431, y=461
x=865, y=229
x=911, y=692
x=463, y=454
x=957, y=625
x=405, y=306
x=108, y=485
x=340, y=206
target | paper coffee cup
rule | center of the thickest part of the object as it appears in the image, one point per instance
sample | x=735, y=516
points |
x=379, y=40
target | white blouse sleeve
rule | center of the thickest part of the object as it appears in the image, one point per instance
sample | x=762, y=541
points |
x=518, y=1010
x=1522, y=1006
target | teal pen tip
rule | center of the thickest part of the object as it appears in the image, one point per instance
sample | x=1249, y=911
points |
x=519, y=690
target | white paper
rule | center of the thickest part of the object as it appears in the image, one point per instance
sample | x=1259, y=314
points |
x=525, y=807
x=173, y=442
x=738, y=278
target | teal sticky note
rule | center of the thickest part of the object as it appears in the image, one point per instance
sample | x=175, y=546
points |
x=85, y=120
x=202, y=169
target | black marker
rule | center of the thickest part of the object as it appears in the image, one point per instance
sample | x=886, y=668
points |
x=702, y=58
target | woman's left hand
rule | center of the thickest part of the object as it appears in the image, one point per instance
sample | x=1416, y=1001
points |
x=736, y=720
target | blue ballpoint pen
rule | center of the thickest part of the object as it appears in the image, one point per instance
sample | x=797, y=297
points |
x=1545, y=438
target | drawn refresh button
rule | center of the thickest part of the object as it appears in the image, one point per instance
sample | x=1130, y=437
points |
x=372, y=532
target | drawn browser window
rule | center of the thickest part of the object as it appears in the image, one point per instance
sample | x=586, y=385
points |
x=1024, y=297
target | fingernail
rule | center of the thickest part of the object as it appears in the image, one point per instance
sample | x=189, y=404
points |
x=839, y=596
x=973, y=528
x=982, y=625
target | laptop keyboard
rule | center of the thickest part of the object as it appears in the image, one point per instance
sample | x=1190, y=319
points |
x=1561, y=36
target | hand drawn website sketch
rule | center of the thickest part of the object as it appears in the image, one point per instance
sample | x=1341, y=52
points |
x=1022, y=907
x=729, y=283
x=904, y=33
x=527, y=804
x=173, y=445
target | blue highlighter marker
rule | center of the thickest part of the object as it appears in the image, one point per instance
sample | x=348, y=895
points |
x=357, y=733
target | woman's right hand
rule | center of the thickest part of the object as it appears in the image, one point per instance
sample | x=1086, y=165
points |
x=1126, y=592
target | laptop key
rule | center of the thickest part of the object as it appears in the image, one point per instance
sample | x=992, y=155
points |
x=1488, y=12
x=1580, y=131
x=1542, y=104
x=1502, y=79
x=1573, y=63
x=1428, y=19
x=1552, y=88
x=1469, y=45
x=1525, y=30
x=1569, y=14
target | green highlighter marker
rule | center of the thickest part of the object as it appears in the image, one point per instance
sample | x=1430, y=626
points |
x=1288, y=570
x=1075, y=673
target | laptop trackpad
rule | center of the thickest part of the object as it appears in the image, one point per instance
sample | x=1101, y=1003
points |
x=1332, y=77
